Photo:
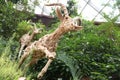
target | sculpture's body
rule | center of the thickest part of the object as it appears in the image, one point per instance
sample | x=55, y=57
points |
x=46, y=45
x=25, y=40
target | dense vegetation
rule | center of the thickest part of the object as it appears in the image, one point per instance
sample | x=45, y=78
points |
x=93, y=53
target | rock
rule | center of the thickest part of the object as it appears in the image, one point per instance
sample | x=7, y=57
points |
x=22, y=78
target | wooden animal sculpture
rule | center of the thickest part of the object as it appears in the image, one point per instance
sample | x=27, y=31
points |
x=45, y=47
x=26, y=38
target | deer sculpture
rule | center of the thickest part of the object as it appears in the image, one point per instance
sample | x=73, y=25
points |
x=45, y=47
x=26, y=39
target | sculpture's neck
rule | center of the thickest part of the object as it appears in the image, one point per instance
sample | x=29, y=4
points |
x=57, y=34
x=32, y=35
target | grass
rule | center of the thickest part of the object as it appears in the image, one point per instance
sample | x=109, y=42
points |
x=8, y=69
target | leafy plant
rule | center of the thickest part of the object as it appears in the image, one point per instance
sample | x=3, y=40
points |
x=8, y=65
x=8, y=69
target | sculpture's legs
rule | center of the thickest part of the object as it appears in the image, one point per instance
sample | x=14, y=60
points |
x=24, y=56
x=50, y=56
x=44, y=69
x=21, y=49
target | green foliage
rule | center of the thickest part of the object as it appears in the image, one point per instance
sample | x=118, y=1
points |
x=72, y=8
x=92, y=52
x=8, y=69
x=72, y=68
x=23, y=28
x=8, y=63
x=9, y=19
x=10, y=48
x=95, y=49
x=14, y=1
x=2, y=44
x=118, y=5
x=27, y=27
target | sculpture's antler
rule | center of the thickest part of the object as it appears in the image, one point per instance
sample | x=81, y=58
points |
x=62, y=6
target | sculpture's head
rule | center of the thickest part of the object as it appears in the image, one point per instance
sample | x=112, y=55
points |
x=35, y=29
x=67, y=23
